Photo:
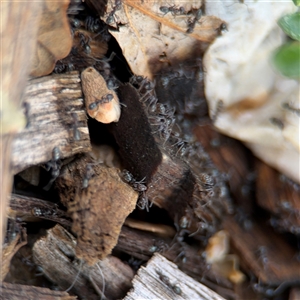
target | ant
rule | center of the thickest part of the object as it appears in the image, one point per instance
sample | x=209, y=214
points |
x=84, y=43
x=92, y=24
x=262, y=255
x=192, y=22
x=110, y=19
x=222, y=28
x=165, y=279
x=289, y=107
x=173, y=10
x=105, y=99
x=54, y=164
x=277, y=122
x=139, y=187
x=182, y=146
x=88, y=175
x=76, y=132
x=111, y=84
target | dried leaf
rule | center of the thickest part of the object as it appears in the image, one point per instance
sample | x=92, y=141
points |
x=254, y=103
x=54, y=38
x=151, y=38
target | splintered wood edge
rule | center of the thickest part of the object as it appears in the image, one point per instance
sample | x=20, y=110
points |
x=161, y=279
x=52, y=104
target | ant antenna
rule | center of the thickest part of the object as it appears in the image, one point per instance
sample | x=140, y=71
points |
x=100, y=293
x=79, y=271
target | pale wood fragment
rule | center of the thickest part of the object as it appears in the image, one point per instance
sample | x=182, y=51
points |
x=55, y=118
x=161, y=279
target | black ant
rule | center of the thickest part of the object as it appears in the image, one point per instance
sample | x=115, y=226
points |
x=92, y=24
x=88, y=175
x=262, y=255
x=277, y=122
x=289, y=107
x=222, y=28
x=105, y=99
x=76, y=132
x=165, y=279
x=85, y=43
x=192, y=22
x=173, y=10
x=111, y=84
x=110, y=19
x=139, y=187
x=54, y=164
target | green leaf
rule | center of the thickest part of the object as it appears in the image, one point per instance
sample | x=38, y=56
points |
x=290, y=24
x=296, y=2
x=287, y=60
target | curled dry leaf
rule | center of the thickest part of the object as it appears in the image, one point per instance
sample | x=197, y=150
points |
x=254, y=103
x=54, y=39
x=101, y=103
x=151, y=39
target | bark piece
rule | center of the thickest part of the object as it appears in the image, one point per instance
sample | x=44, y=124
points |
x=266, y=254
x=98, y=202
x=18, y=291
x=30, y=209
x=231, y=158
x=280, y=196
x=56, y=118
x=161, y=279
x=56, y=253
x=101, y=103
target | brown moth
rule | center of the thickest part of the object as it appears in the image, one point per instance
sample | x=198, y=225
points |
x=101, y=103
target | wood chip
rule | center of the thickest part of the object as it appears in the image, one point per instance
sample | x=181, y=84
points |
x=161, y=279
x=98, y=202
x=55, y=118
